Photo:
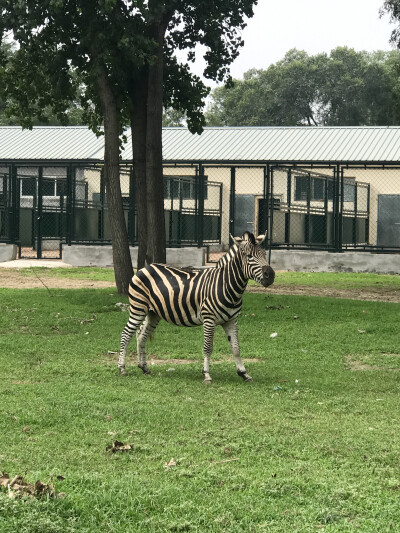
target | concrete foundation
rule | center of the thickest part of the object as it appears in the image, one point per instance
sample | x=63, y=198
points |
x=101, y=256
x=8, y=252
x=335, y=262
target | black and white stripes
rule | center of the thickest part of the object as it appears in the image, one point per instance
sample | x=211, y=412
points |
x=190, y=297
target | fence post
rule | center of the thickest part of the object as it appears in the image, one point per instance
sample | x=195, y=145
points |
x=69, y=206
x=13, y=218
x=102, y=202
x=39, y=213
x=232, y=194
x=337, y=208
x=289, y=204
x=131, y=212
x=201, y=207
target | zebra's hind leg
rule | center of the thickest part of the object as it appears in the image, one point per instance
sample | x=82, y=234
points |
x=209, y=328
x=149, y=325
x=126, y=336
x=231, y=331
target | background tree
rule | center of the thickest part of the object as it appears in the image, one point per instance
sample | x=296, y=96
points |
x=59, y=43
x=124, y=55
x=171, y=25
x=344, y=88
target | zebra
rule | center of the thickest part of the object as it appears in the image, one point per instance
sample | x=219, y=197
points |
x=194, y=297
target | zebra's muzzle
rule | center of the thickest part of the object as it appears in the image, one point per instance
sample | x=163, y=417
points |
x=268, y=276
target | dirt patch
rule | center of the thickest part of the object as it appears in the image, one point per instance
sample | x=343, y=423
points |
x=355, y=362
x=132, y=359
x=371, y=294
x=15, y=279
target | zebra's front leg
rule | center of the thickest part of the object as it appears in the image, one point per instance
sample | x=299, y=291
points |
x=231, y=331
x=149, y=325
x=126, y=336
x=209, y=328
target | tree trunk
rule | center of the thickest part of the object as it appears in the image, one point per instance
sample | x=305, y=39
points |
x=138, y=119
x=156, y=242
x=119, y=235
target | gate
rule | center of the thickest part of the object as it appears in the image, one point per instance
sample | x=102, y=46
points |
x=41, y=199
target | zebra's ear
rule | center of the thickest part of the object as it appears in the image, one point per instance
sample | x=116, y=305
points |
x=261, y=238
x=236, y=240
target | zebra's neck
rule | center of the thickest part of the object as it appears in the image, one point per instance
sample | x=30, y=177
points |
x=231, y=264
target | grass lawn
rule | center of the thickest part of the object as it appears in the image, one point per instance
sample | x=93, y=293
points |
x=321, y=279
x=312, y=444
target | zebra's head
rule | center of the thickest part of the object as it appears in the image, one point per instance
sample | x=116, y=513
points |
x=254, y=258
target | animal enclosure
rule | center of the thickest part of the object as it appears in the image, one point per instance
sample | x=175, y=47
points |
x=332, y=207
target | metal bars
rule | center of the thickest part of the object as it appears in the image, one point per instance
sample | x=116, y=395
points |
x=334, y=207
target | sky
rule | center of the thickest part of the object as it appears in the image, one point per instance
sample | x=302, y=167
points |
x=311, y=25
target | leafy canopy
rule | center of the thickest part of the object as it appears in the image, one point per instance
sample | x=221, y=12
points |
x=343, y=88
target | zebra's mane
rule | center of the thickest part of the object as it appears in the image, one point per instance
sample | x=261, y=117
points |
x=228, y=257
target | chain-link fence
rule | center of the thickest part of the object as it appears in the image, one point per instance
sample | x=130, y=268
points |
x=338, y=209
x=332, y=207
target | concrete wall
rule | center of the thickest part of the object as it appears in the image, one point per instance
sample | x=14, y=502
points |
x=101, y=256
x=335, y=262
x=8, y=252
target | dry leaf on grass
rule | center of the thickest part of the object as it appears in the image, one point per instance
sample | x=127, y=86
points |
x=171, y=463
x=18, y=487
x=118, y=446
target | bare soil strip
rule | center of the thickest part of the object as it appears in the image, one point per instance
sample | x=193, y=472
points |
x=14, y=279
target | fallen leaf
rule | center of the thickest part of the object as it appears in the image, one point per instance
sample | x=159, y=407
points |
x=171, y=463
x=4, y=480
x=118, y=446
x=21, y=488
x=122, y=306
x=108, y=418
x=26, y=429
x=361, y=331
x=273, y=335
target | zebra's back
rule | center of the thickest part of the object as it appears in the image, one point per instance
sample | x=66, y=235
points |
x=185, y=297
x=172, y=293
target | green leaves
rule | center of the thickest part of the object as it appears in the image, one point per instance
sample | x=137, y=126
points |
x=344, y=88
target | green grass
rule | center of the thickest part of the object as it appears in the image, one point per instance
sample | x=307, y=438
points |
x=312, y=444
x=339, y=280
x=90, y=273
x=321, y=279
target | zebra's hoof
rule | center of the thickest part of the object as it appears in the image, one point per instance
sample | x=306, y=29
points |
x=122, y=371
x=207, y=381
x=247, y=378
x=144, y=369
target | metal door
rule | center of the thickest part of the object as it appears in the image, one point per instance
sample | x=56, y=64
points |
x=244, y=214
x=41, y=212
x=389, y=220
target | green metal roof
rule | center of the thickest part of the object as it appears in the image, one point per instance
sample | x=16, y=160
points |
x=219, y=144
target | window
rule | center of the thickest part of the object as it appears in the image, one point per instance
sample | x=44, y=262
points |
x=28, y=187
x=176, y=187
x=50, y=187
x=318, y=187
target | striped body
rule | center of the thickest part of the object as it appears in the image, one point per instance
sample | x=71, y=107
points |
x=192, y=297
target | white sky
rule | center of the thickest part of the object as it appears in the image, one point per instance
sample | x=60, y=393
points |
x=311, y=25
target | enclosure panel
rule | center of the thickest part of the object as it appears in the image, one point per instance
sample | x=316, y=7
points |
x=26, y=235
x=389, y=220
x=86, y=224
x=297, y=228
x=244, y=214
